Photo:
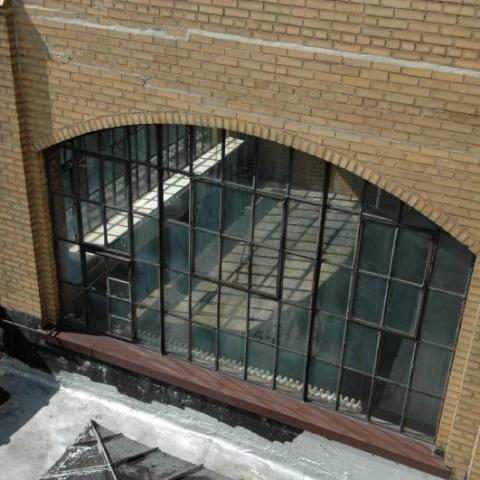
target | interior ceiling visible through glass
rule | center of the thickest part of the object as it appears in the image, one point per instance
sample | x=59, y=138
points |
x=262, y=262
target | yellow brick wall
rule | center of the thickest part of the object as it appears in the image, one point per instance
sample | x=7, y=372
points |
x=388, y=89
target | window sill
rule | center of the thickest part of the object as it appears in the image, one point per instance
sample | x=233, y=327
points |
x=254, y=399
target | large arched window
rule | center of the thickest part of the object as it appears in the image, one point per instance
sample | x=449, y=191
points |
x=262, y=262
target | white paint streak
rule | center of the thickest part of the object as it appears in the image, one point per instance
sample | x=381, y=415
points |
x=187, y=33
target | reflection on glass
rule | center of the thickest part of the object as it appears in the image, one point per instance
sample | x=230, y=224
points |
x=235, y=259
x=302, y=227
x=233, y=310
x=237, y=212
x=204, y=302
x=263, y=319
x=207, y=206
x=176, y=244
x=361, y=347
x=328, y=337
x=293, y=328
x=146, y=282
x=148, y=327
x=267, y=228
x=206, y=253
x=376, y=249
x=411, y=255
x=176, y=336
x=307, y=180
x=175, y=293
x=203, y=345
x=69, y=260
x=297, y=279
x=264, y=270
x=340, y=236
x=402, y=307
x=92, y=224
x=369, y=298
x=333, y=288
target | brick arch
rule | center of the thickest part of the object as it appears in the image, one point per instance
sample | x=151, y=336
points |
x=277, y=135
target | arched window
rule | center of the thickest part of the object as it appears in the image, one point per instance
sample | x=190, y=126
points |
x=261, y=262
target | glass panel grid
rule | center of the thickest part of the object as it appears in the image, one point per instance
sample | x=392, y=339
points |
x=261, y=262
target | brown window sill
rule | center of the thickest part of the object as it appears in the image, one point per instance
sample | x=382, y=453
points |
x=251, y=398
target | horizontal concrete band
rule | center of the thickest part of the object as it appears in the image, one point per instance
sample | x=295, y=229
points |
x=254, y=399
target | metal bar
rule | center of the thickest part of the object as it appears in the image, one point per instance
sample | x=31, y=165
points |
x=159, y=143
x=250, y=262
x=220, y=251
x=191, y=245
x=316, y=278
x=351, y=295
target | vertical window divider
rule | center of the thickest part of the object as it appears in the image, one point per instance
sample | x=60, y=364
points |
x=351, y=296
x=131, y=234
x=102, y=202
x=250, y=261
x=220, y=249
x=281, y=265
x=426, y=281
x=159, y=153
x=384, y=309
x=316, y=276
x=191, y=245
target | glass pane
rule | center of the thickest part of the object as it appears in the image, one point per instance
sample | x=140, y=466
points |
x=92, y=224
x=379, y=202
x=340, y=237
x=208, y=152
x=237, y=213
x=290, y=371
x=395, y=358
x=71, y=299
x=239, y=158
x=176, y=238
x=422, y=414
x=175, y=293
x=333, y=288
x=118, y=237
x=235, y=259
x=402, y=307
x=96, y=311
x=174, y=146
x=260, y=363
x=206, y=253
x=203, y=345
x=412, y=217
x=361, y=347
x=176, y=198
x=69, y=262
x=263, y=319
x=302, y=228
x=267, y=227
x=452, y=265
x=105, y=141
x=411, y=255
x=204, y=302
x=121, y=327
x=115, y=184
x=322, y=382
x=65, y=217
x=148, y=327
x=147, y=203
x=89, y=174
x=440, y=318
x=328, y=337
x=345, y=189
x=354, y=392
x=207, y=206
x=139, y=143
x=147, y=242
x=233, y=310
x=272, y=166
x=96, y=266
x=265, y=270
x=146, y=282
x=297, y=279
x=431, y=369
x=231, y=350
x=369, y=298
x=308, y=174
x=376, y=248
x=60, y=170
x=294, y=324
x=176, y=336
x=387, y=402
x=120, y=142
x=87, y=142
x=119, y=308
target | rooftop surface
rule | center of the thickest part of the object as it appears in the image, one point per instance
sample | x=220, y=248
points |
x=45, y=414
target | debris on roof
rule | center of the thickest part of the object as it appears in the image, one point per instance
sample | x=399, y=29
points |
x=99, y=454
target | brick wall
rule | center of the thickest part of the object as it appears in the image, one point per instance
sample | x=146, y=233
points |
x=388, y=89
